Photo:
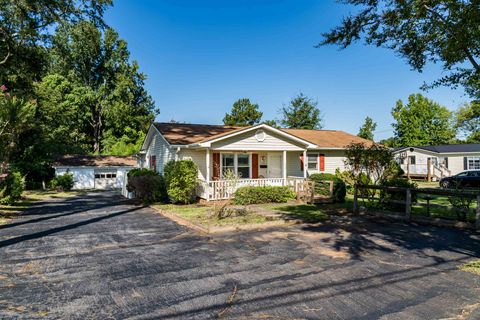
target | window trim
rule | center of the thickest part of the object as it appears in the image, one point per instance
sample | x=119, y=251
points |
x=317, y=161
x=235, y=163
x=473, y=159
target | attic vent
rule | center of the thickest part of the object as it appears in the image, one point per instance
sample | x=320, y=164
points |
x=260, y=135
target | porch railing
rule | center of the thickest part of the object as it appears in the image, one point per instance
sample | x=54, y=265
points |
x=224, y=189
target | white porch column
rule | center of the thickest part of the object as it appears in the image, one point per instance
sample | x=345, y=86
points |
x=284, y=167
x=305, y=161
x=207, y=161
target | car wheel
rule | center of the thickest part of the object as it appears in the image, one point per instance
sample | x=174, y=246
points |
x=445, y=184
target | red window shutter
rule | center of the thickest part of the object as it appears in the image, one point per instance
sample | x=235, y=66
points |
x=301, y=162
x=216, y=166
x=254, y=166
x=153, y=163
x=321, y=162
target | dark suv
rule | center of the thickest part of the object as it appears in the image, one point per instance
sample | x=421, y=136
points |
x=465, y=179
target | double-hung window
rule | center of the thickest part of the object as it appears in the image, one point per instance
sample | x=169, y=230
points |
x=312, y=161
x=473, y=163
x=228, y=164
x=238, y=164
x=243, y=166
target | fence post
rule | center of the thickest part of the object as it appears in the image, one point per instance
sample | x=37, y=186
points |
x=355, y=199
x=408, y=204
x=477, y=217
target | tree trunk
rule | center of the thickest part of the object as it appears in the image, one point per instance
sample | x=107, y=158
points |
x=97, y=129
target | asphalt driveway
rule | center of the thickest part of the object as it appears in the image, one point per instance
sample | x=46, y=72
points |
x=99, y=257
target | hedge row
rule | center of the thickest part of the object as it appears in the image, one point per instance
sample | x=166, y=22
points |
x=255, y=195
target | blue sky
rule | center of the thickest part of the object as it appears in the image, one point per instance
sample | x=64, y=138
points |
x=201, y=56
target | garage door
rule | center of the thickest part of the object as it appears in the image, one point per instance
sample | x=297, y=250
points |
x=105, y=179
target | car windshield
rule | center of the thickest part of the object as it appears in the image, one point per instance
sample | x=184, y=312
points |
x=462, y=174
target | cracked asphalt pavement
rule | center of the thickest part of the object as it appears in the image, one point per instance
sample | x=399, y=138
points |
x=98, y=256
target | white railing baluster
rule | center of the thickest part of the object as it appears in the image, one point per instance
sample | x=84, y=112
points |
x=224, y=189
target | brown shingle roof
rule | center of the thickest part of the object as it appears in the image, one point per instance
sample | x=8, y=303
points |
x=184, y=133
x=327, y=138
x=94, y=161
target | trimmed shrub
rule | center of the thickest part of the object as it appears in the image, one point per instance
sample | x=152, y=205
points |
x=255, y=195
x=11, y=188
x=148, y=185
x=323, y=188
x=62, y=182
x=181, y=179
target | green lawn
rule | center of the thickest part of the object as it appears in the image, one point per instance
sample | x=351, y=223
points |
x=473, y=267
x=425, y=184
x=200, y=214
x=447, y=211
x=305, y=212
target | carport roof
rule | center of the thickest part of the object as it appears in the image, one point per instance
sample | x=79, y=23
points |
x=94, y=161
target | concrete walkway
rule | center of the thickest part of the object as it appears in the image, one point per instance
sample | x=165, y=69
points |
x=98, y=257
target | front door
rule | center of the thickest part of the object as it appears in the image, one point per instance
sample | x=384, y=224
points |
x=274, y=165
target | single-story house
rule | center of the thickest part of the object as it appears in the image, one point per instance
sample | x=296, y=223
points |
x=445, y=160
x=95, y=172
x=257, y=155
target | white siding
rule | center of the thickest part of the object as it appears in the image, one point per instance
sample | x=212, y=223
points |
x=83, y=178
x=159, y=148
x=294, y=167
x=333, y=159
x=248, y=142
x=455, y=164
x=199, y=157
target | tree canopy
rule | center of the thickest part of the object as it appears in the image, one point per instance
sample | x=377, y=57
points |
x=420, y=31
x=110, y=87
x=302, y=113
x=468, y=121
x=243, y=113
x=26, y=28
x=367, y=129
x=422, y=122
x=69, y=85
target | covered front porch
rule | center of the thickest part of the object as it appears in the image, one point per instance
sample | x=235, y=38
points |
x=226, y=171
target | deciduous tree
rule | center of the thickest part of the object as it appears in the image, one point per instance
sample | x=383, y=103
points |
x=420, y=31
x=468, y=121
x=422, y=122
x=98, y=64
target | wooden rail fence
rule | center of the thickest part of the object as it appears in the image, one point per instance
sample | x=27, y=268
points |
x=409, y=192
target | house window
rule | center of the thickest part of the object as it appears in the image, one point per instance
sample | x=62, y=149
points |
x=236, y=163
x=411, y=160
x=243, y=166
x=312, y=161
x=228, y=163
x=473, y=163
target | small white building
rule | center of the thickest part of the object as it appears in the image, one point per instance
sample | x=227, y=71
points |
x=445, y=160
x=95, y=172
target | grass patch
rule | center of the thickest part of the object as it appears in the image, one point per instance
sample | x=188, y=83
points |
x=445, y=212
x=200, y=214
x=473, y=267
x=304, y=212
x=426, y=184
